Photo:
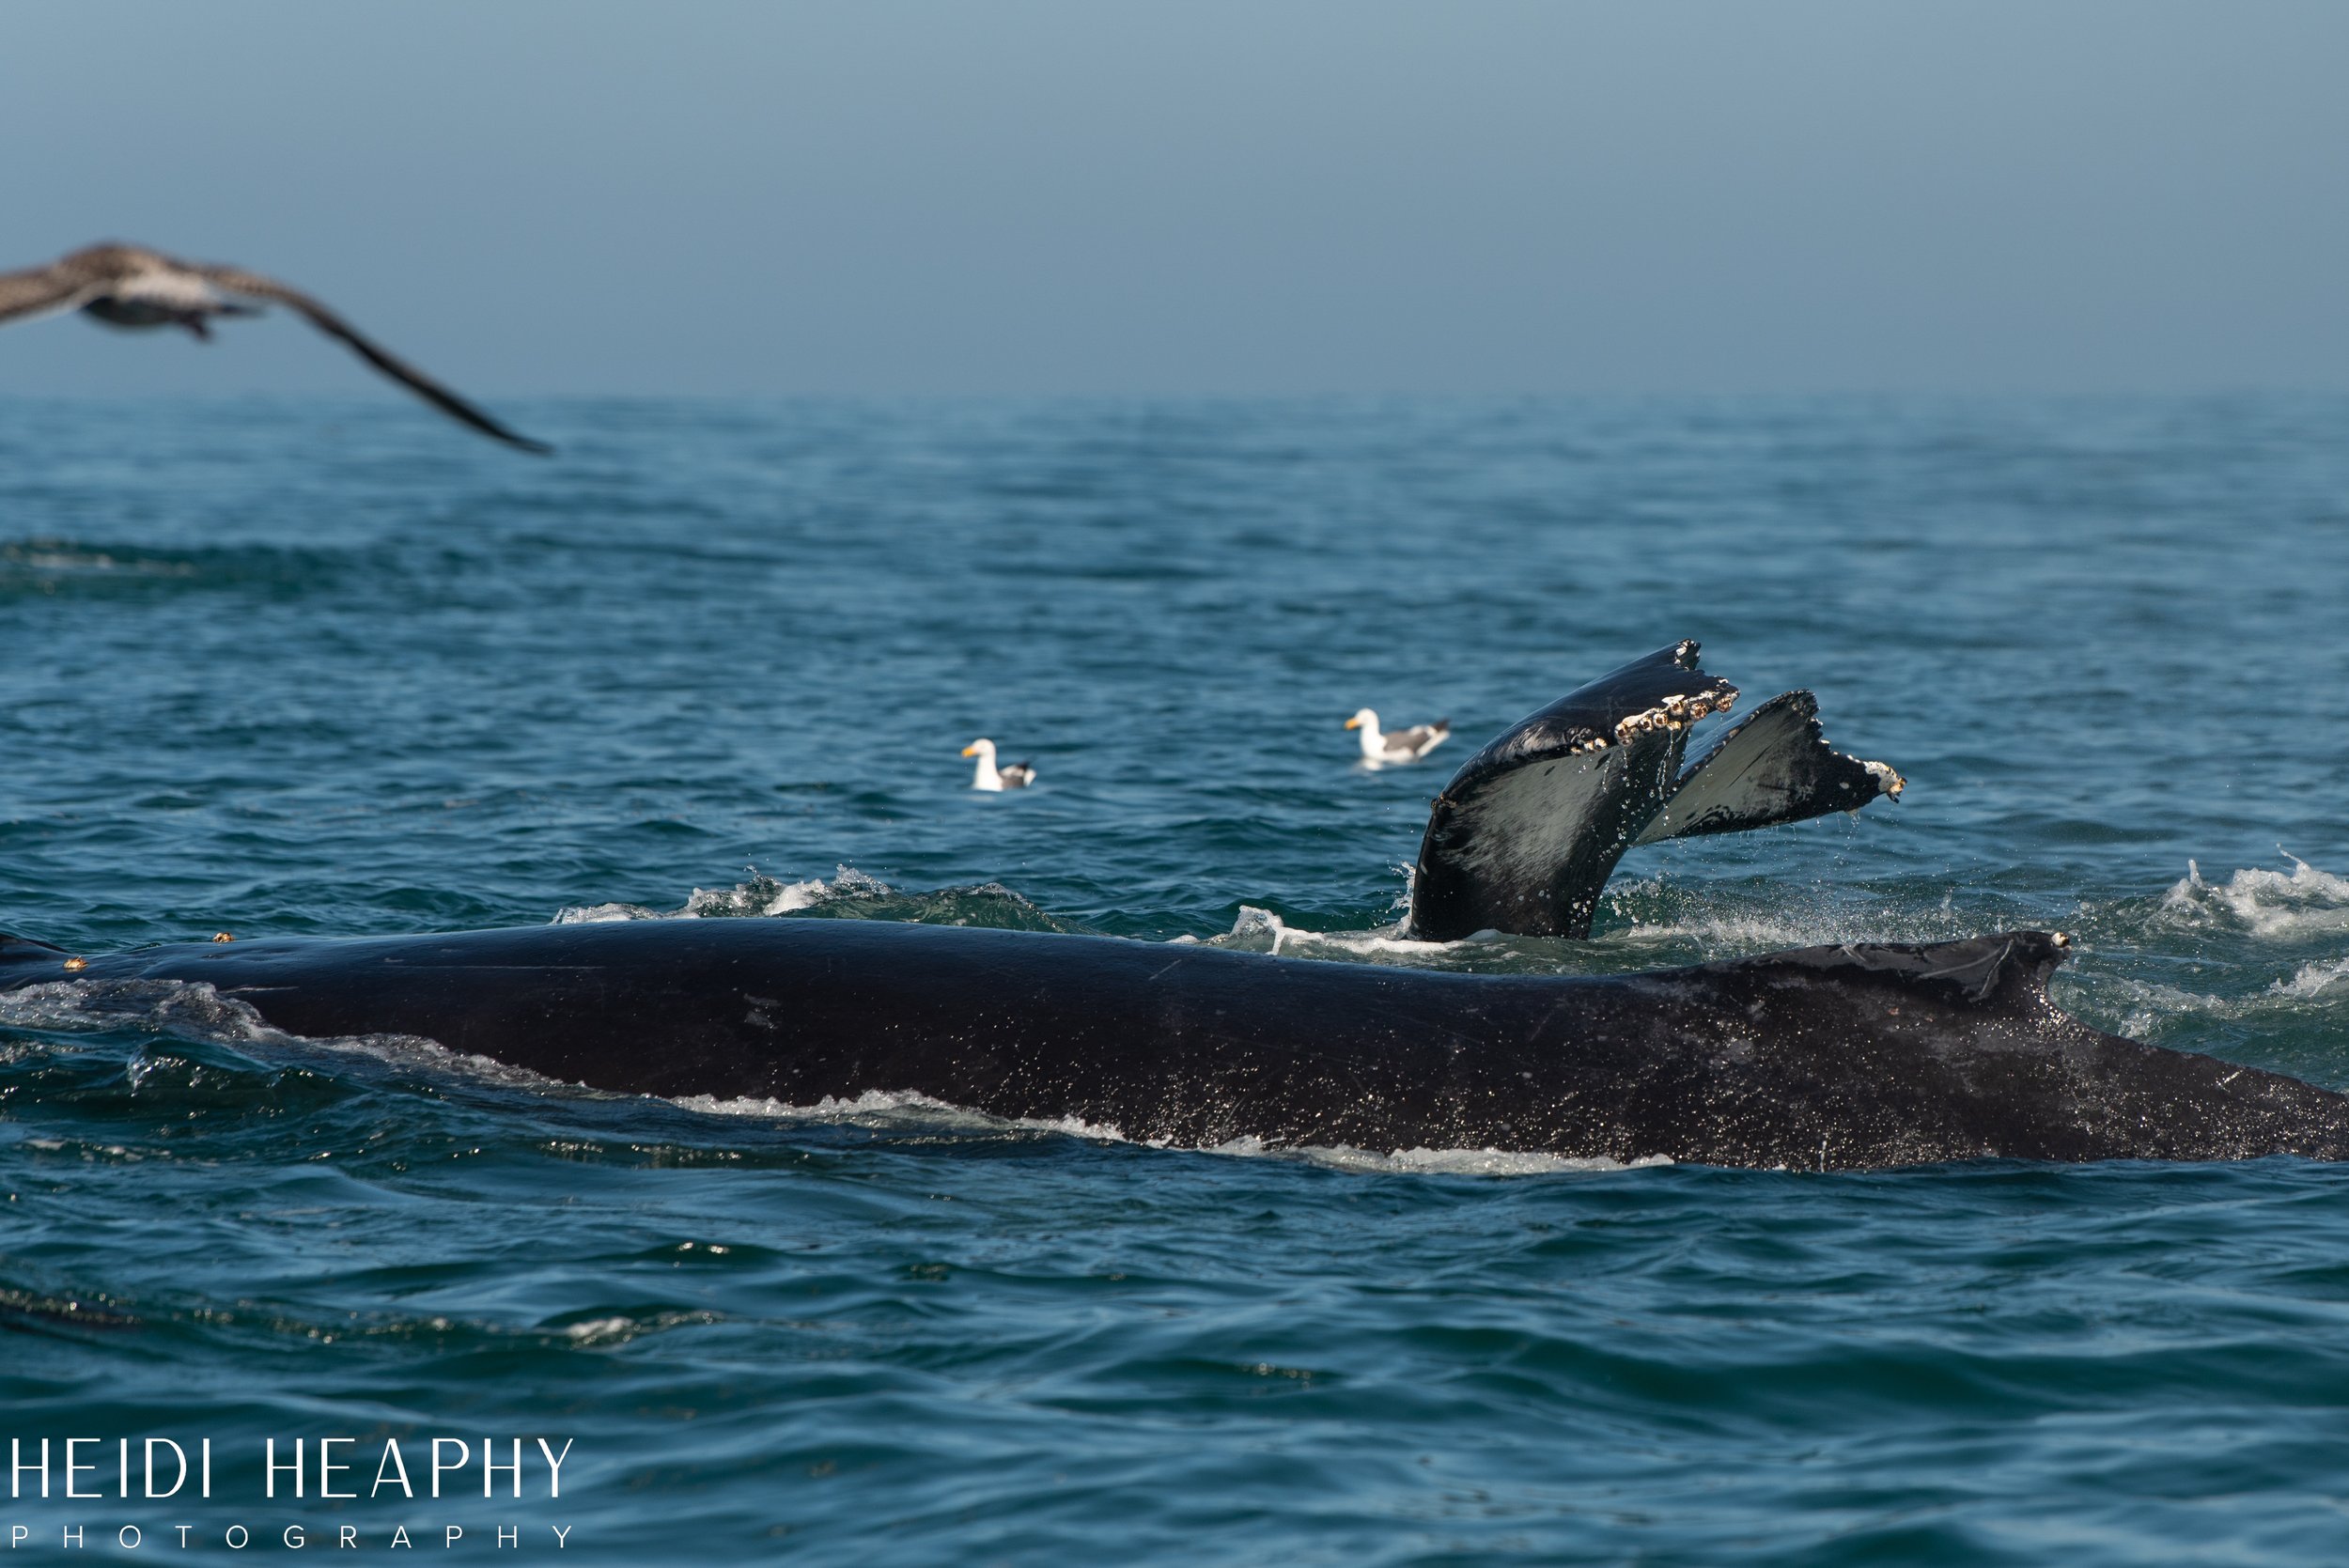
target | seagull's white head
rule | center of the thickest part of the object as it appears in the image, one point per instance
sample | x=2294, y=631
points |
x=981, y=747
x=1364, y=719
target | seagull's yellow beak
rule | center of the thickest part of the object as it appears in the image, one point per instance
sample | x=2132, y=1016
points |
x=970, y=750
x=1353, y=723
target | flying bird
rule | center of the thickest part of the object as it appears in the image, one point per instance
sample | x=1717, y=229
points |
x=1396, y=745
x=129, y=285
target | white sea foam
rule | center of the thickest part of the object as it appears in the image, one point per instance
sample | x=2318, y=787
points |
x=192, y=1010
x=890, y=1108
x=2274, y=905
x=760, y=896
x=1718, y=931
x=1461, y=1162
x=1257, y=930
x=2147, y=1009
x=873, y=1107
x=1700, y=933
x=63, y=557
x=598, y=1332
x=417, y=1051
x=2314, y=979
x=905, y=1109
x=601, y=1330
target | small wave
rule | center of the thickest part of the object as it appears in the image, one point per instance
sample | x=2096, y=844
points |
x=850, y=894
x=1442, y=1162
x=598, y=1334
x=908, y=1111
x=2158, y=1012
x=63, y=557
x=1260, y=930
x=1657, y=913
x=1659, y=926
x=760, y=896
x=47, y=565
x=2313, y=979
x=2274, y=905
x=1256, y=930
x=2148, y=1010
x=56, y=1310
x=885, y=1110
x=191, y=1010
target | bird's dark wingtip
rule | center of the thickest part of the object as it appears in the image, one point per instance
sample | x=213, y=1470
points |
x=506, y=436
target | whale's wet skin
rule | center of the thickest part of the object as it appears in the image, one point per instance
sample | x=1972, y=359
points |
x=1851, y=1056
x=300, y=675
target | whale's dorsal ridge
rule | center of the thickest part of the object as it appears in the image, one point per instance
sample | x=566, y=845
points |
x=2006, y=968
x=13, y=946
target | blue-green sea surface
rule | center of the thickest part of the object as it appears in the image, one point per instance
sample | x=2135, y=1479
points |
x=308, y=666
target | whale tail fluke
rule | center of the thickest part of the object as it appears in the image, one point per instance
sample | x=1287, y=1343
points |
x=1775, y=765
x=1526, y=835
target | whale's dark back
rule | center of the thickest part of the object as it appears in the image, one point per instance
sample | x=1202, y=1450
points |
x=1865, y=1055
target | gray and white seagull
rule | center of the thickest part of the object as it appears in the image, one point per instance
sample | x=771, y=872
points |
x=130, y=286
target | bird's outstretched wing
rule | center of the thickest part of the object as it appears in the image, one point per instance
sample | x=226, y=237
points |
x=42, y=290
x=236, y=280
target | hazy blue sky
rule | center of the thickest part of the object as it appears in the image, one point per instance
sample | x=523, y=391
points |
x=1278, y=195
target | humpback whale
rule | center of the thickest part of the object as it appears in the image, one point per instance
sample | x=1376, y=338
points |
x=1857, y=1056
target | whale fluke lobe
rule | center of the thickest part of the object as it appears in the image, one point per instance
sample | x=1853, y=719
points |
x=1526, y=835
x=1773, y=766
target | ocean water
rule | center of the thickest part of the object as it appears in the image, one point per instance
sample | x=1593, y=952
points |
x=280, y=666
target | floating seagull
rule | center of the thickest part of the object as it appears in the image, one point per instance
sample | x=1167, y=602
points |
x=128, y=285
x=1402, y=745
x=1019, y=775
